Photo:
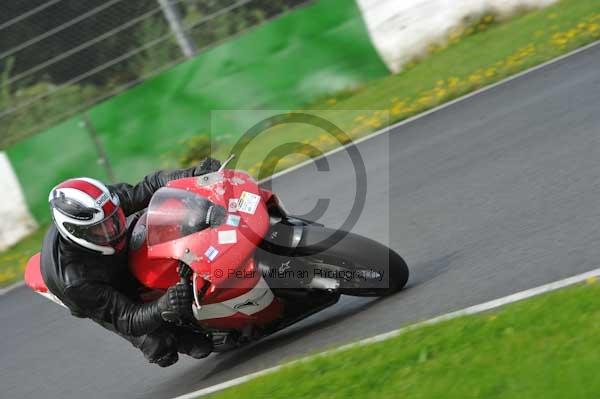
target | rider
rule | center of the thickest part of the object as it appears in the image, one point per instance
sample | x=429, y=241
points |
x=84, y=264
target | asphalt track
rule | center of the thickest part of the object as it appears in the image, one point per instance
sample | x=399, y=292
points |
x=493, y=195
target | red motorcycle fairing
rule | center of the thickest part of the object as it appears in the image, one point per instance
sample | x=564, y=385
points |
x=35, y=281
x=33, y=274
x=221, y=256
x=237, y=307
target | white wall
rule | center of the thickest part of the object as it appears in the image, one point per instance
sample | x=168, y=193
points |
x=403, y=29
x=15, y=219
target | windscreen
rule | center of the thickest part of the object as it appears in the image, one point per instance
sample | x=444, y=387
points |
x=175, y=213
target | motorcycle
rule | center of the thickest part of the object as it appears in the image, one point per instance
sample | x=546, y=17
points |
x=253, y=268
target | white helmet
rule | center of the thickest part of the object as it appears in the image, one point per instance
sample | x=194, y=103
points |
x=87, y=214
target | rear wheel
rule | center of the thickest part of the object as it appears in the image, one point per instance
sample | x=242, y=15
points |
x=361, y=266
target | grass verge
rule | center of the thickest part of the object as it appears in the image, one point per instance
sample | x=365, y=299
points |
x=473, y=58
x=14, y=259
x=544, y=347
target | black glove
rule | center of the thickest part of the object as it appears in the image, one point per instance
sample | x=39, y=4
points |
x=168, y=359
x=159, y=347
x=176, y=304
x=193, y=344
x=207, y=166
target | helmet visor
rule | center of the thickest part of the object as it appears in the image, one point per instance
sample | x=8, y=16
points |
x=108, y=231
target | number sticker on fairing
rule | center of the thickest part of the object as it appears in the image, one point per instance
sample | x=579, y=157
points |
x=248, y=202
x=233, y=205
x=233, y=220
x=227, y=237
x=211, y=253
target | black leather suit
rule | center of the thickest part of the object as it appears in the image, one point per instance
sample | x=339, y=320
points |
x=101, y=287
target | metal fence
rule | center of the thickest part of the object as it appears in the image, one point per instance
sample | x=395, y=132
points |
x=60, y=57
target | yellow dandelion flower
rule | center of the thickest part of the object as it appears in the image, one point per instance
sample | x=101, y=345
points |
x=475, y=78
x=560, y=43
x=453, y=82
x=425, y=100
x=591, y=280
x=455, y=35
x=396, y=111
x=441, y=47
x=372, y=122
x=356, y=130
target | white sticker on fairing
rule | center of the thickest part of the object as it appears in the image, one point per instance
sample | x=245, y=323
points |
x=233, y=205
x=251, y=302
x=233, y=220
x=227, y=237
x=211, y=253
x=248, y=202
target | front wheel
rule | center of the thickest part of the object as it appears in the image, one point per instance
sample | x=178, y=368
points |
x=361, y=266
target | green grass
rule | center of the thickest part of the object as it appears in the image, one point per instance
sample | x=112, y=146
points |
x=478, y=56
x=545, y=347
x=14, y=259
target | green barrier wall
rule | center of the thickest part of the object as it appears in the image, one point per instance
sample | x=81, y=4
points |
x=47, y=158
x=309, y=53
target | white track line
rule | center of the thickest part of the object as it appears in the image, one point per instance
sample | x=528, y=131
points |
x=496, y=303
x=436, y=109
x=11, y=287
